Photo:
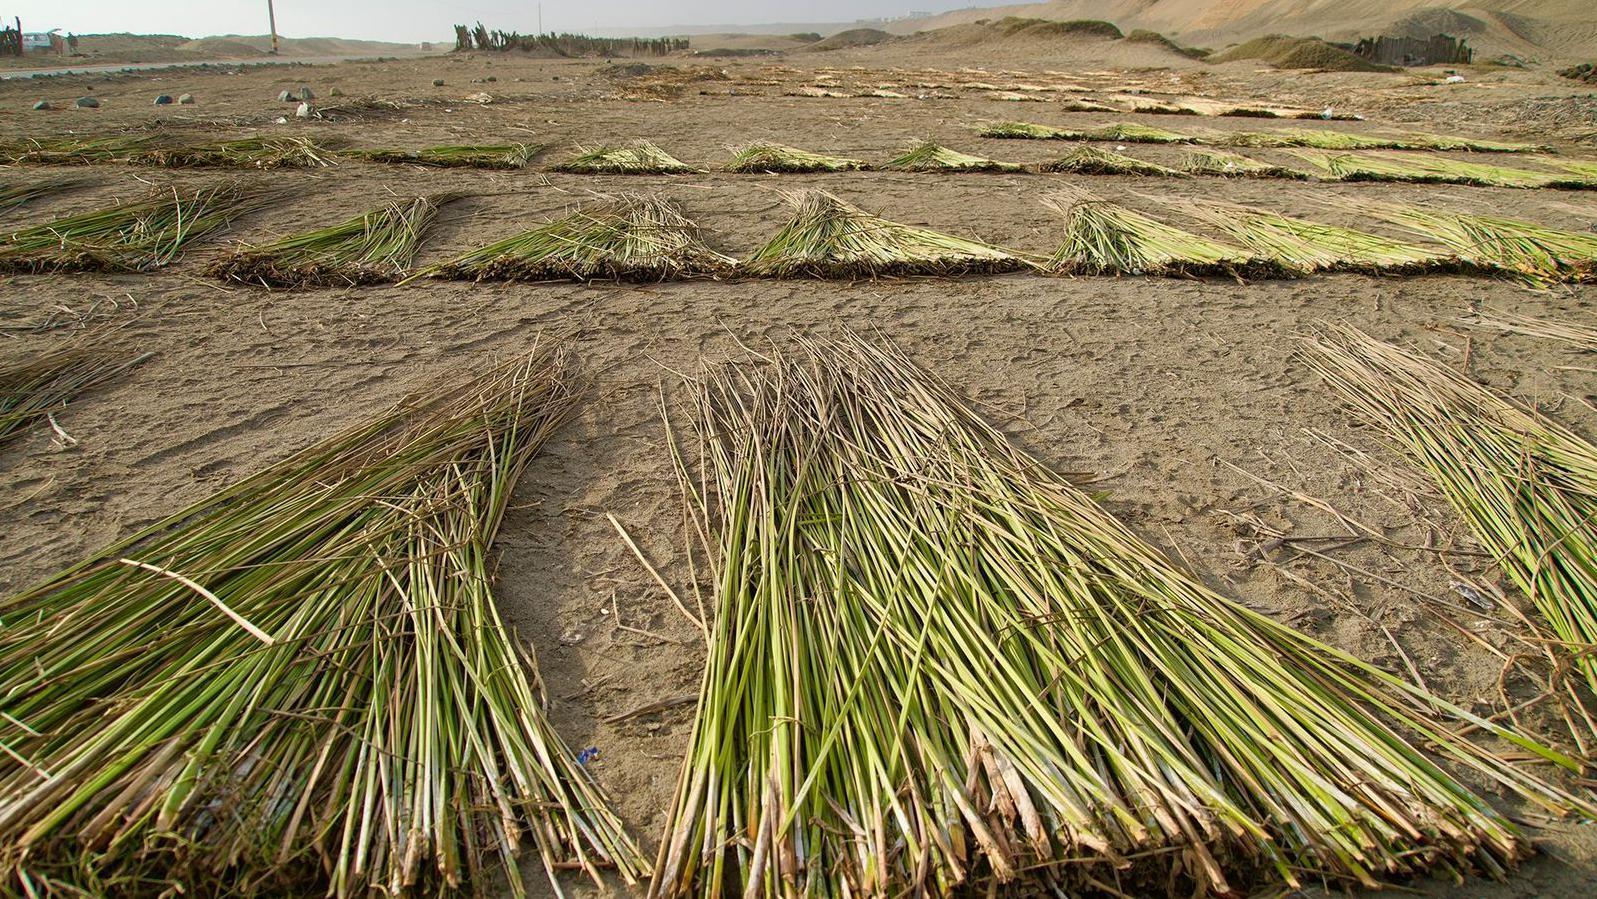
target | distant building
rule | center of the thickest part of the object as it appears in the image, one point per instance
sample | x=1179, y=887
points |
x=35, y=40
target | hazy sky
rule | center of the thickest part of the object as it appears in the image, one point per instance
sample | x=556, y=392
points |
x=417, y=20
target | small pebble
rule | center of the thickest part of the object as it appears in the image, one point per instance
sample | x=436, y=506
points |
x=284, y=96
x=335, y=92
x=42, y=104
x=281, y=121
x=163, y=99
x=438, y=82
x=88, y=103
x=304, y=111
x=185, y=100
x=306, y=95
x=492, y=78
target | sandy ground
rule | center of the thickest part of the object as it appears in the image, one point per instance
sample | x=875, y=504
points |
x=1182, y=399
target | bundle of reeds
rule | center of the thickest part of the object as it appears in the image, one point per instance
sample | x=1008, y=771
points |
x=1025, y=131
x=1310, y=137
x=470, y=156
x=641, y=158
x=933, y=157
x=300, y=685
x=36, y=387
x=22, y=192
x=1447, y=142
x=937, y=668
x=1093, y=161
x=1579, y=333
x=1534, y=253
x=1424, y=169
x=74, y=150
x=1104, y=238
x=777, y=158
x=830, y=238
x=245, y=153
x=375, y=247
x=630, y=238
x=1235, y=165
x=1585, y=172
x=1525, y=484
x=1303, y=247
x=134, y=236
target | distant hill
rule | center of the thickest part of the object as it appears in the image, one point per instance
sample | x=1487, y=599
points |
x=1555, y=27
x=141, y=48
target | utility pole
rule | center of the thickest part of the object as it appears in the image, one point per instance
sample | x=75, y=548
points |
x=271, y=16
x=540, y=18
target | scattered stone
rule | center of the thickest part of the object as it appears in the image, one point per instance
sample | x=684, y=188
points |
x=335, y=92
x=438, y=82
x=284, y=97
x=280, y=120
x=163, y=99
x=43, y=104
x=304, y=111
x=185, y=100
x=492, y=78
x=306, y=95
x=88, y=103
x=556, y=78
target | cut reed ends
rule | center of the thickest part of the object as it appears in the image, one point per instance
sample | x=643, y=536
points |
x=931, y=157
x=1235, y=165
x=830, y=238
x=375, y=247
x=642, y=158
x=1526, y=485
x=1093, y=161
x=1537, y=255
x=39, y=386
x=1303, y=247
x=469, y=156
x=300, y=685
x=937, y=668
x=247, y=153
x=1104, y=238
x=134, y=236
x=630, y=238
x=766, y=158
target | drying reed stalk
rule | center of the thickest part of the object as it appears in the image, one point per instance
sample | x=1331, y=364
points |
x=766, y=158
x=1093, y=161
x=1526, y=485
x=1104, y=238
x=1425, y=170
x=74, y=150
x=375, y=247
x=931, y=157
x=35, y=388
x=247, y=153
x=24, y=192
x=630, y=238
x=937, y=668
x=300, y=685
x=472, y=156
x=134, y=236
x=1303, y=247
x=1535, y=254
x=1235, y=165
x=1579, y=333
x=830, y=238
x=642, y=158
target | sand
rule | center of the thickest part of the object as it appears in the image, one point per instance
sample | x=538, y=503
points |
x=1160, y=392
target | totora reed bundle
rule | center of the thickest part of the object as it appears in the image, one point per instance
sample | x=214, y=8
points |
x=1235, y=165
x=300, y=685
x=1424, y=169
x=830, y=238
x=767, y=158
x=1536, y=254
x=937, y=668
x=1104, y=238
x=74, y=150
x=135, y=236
x=246, y=153
x=1128, y=132
x=35, y=388
x=1303, y=247
x=375, y=247
x=630, y=238
x=930, y=157
x=1526, y=485
x=1093, y=161
x=465, y=156
x=24, y=192
x=642, y=158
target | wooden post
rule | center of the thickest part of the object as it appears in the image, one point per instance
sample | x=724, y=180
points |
x=271, y=16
